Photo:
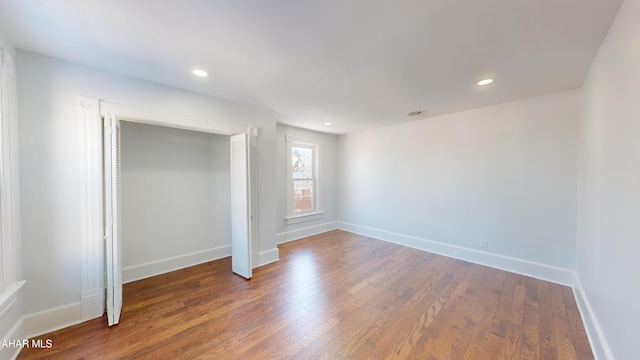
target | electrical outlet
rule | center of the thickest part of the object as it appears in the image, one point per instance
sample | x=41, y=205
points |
x=484, y=244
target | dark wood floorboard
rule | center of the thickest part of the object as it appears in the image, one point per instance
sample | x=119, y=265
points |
x=335, y=296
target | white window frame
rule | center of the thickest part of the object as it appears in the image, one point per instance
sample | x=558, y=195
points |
x=9, y=285
x=315, y=213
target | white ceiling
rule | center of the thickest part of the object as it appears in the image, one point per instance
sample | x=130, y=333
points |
x=355, y=63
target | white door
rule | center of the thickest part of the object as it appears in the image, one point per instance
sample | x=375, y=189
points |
x=112, y=233
x=240, y=230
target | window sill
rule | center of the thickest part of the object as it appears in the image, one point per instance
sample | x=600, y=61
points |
x=7, y=297
x=294, y=219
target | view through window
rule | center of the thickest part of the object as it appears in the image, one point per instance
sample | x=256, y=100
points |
x=303, y=178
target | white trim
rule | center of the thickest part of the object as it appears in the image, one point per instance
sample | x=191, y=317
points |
x=298, y=218
x=303, y=140
x=50, y=320
x=11, y=293
x=153, y=268
x=16, y=334
x=8, y=200
x=11, y=319
x=293, y=217
x=599, y=345
x=8, y=296
x=91, y=202
x=254, y=197
x=129, y=113
x=521, y=266
x=91, y=304
x=305, y=232
x=266, y=257
x=91, y=206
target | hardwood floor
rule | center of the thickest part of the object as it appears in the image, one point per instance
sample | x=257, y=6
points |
x=335, y=296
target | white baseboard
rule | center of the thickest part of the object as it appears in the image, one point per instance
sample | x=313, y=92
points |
x=54, y=319
x=266, y=257
x=92, y=304
x=521, y=266
x=143, y=271
x=599, y=344
x=50, y=320
x=307, y=231
x=46, y=321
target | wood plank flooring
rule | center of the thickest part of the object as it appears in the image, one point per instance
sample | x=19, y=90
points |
x=335, y=296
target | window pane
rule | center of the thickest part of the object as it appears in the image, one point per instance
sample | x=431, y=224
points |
x=302, y=162
x=302, y=195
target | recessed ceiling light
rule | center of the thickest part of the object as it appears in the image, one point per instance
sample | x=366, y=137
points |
x=414, y=113
x=200, y=72
x=485, y=82
x=328, y=124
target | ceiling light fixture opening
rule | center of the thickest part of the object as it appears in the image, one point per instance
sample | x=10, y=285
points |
x=328, y=124
x=414, y=113
x=200, y=72
x=485, y=82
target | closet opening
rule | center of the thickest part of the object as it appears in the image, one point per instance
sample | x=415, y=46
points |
x=175, y=199
x=177, y=147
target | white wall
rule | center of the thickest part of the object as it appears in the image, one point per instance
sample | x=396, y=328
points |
x=328, y=183
x=504, y=173
x=50, y=163
x=175, y=191
x=609, y=206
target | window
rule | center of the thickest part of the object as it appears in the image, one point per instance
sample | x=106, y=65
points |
x=303, y=174
x=303, y=200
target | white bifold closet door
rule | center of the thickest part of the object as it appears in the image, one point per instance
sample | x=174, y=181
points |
x=112, y=233
x=240, y=230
